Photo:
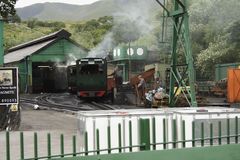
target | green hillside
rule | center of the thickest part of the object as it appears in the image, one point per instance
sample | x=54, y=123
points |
x=88, y=33
x=18, y=33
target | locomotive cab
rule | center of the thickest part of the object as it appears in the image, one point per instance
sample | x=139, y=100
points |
x=91, y=77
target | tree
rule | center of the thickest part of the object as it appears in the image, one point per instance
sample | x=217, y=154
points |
x=90, y=33
x=225, y=49
x=214, y=34
x=126, y=31
x=7, y=8
x=234, y=33
x=216, y=53
x=16, y=19
x=32, y=23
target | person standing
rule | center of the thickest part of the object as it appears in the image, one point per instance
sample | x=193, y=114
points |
x=117, y=74
x=141, y=89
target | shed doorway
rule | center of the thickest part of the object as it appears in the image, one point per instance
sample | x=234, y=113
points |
x=48, y=77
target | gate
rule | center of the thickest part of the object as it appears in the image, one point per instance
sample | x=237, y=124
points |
x=233, y=85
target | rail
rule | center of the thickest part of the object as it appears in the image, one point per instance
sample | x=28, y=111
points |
x=45, y=101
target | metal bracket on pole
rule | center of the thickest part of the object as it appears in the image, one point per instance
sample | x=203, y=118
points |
x=182, y=80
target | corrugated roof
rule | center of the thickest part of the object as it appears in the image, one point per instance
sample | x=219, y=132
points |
x=23, y=52
x=59, y=34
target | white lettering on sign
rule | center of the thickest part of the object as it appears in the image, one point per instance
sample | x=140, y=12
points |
x=13, y=100
x=7, y=92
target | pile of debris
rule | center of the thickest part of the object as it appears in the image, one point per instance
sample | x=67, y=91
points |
x=156, y=98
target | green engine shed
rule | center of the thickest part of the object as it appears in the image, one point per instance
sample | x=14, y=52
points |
x=42, y=62
x=130, y=60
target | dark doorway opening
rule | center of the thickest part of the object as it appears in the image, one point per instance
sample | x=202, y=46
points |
x=48, y=77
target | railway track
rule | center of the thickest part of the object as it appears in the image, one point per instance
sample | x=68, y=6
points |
x=102, y=106
x=50, y=102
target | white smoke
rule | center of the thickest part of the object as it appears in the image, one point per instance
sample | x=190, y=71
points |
x=71, y=60
x=103, y=48
x=138, y=12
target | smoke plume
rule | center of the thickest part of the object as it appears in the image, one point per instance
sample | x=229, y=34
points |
x=132, y=19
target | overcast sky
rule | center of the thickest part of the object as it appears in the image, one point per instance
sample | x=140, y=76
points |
x=23, y=3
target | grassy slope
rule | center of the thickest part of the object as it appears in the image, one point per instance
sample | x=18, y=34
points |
x=19, y=33
x=15, y=34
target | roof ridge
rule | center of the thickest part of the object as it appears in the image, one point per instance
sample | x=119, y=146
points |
x=59, y=34
x=20, y=54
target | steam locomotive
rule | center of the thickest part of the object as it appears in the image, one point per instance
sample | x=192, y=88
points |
x=88, y=78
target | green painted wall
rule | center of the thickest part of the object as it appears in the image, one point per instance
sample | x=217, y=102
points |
x=221, y=70
x=61, y=51
x=135, y=57
x=137, y=67
x=22, y=76
x=136, y=53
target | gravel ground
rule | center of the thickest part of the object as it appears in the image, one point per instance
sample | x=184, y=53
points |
x=33, y=120
x=42, y=122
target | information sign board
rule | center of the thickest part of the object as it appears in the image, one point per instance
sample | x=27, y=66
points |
x=9, y=86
